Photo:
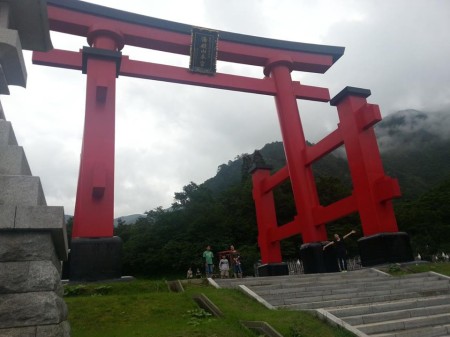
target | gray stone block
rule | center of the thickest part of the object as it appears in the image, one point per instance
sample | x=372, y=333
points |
x=175, y=286
x=7, y=136
x=4, y=89
x=13, y=161
x=2, y=112
x=31, y=21
x=205, y=303
x=29, y=309
x=261, y=328
x=28, y=276
x=60, y=330
x=18, y=332
x=21, y=190
x=48, y=218
x=25, y=246
x=37, y=218
x=13, y=63
x=7, y=216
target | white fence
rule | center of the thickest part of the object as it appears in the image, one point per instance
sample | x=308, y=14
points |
x=296, y=266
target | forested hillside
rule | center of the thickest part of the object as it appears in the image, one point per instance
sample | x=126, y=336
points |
x=427, y=220
x=221, y=212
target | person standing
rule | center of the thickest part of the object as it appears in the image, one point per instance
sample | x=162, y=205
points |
x=236, y=262
x=233, y=254
x=237, y=267
x=224, y=267
x=341, y=251
x=209, y=265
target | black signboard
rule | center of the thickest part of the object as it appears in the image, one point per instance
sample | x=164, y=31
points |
x=204, y=51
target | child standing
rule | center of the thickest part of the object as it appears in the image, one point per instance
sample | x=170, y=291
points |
x=208, y=257
x=224, y=267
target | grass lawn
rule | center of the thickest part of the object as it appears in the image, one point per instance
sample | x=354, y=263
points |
x=147, y=308
x=399, y=270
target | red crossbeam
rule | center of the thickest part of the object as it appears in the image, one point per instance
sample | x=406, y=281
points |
x=160, y=72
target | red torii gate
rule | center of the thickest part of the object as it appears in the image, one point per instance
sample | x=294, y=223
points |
x=108, y=30
x=371, y=195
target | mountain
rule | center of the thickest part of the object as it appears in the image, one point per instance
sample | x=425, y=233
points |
x=414, y=145
x=409, y=129
x=415, y=148
x=127, y=219
x=273, y=154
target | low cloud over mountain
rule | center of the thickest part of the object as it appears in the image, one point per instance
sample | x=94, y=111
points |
x=409, y=128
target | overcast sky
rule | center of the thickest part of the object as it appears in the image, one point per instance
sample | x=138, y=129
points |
x=168, y=134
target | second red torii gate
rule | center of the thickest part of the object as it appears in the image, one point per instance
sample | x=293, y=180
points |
x=108, y=30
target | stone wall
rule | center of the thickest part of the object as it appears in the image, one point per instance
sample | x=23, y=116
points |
x=33, y=242
x=33, y=238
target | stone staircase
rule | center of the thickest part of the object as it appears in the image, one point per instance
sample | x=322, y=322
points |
x=367, y=302
x=33, y=241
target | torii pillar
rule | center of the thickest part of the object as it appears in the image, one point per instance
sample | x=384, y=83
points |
x=95, y=252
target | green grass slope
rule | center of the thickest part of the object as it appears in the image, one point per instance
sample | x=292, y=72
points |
x=147, y=308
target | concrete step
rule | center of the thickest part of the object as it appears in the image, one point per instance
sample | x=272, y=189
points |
x=337, y=288
x=373, y=302
x=308, y=278
x=302, y=305
x=305, y=297
x=21, y=190
x=397, y=314
x=13, y=161
x=368, y=278
x=373, y=308
x=435, y=331
x=350, y=293
x=401, y=325
x=291, y=283
x=7, y=136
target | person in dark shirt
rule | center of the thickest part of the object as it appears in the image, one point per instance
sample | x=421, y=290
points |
x=341, y=251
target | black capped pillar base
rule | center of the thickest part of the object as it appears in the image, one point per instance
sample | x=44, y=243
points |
x=95, y=259
x=383, y=248
x=316, y=260
x=312, y=257
x=330, y=260
x=273, y=269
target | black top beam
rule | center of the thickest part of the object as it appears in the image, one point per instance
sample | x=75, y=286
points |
x=115, y=14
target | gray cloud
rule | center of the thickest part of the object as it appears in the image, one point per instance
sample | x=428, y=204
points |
x=398, y=51
x=408, y=128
